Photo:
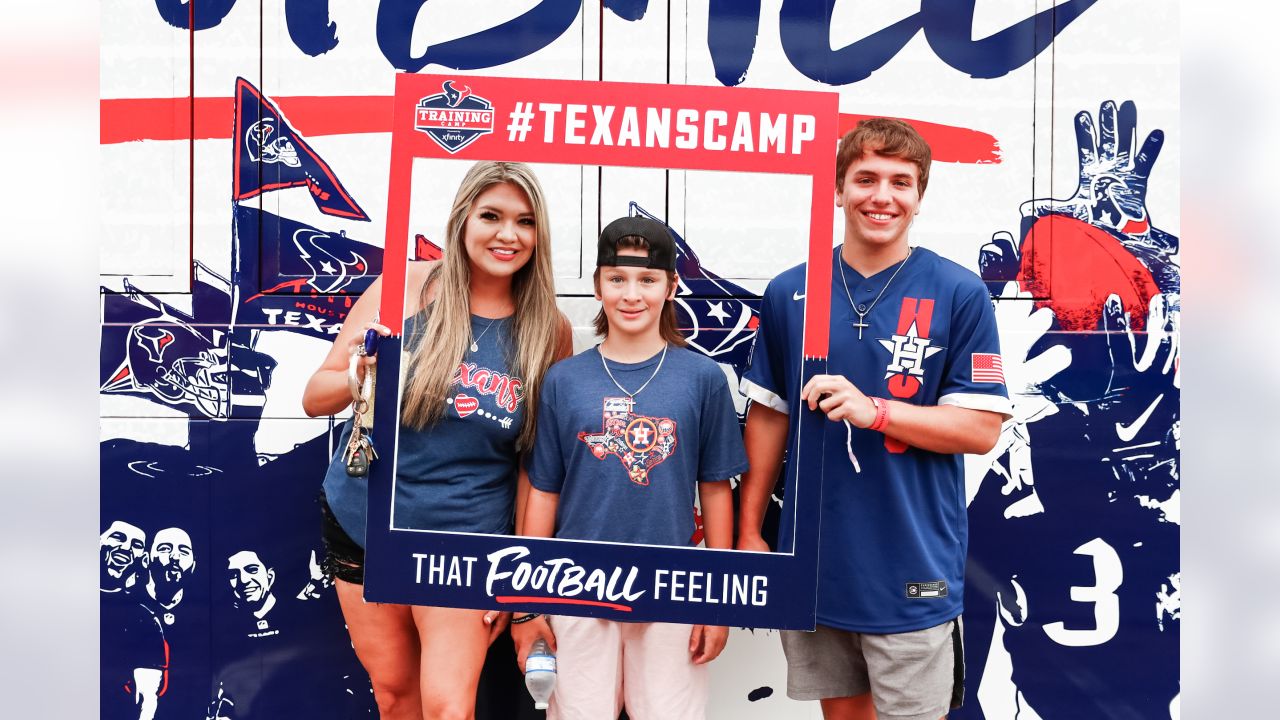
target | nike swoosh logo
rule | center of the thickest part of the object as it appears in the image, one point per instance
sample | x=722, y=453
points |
x=797, y=296
x=1129, y=433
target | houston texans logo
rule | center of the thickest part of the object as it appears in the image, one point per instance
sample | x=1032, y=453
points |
x=336, y=272
x=640, y=442
x=454, y=96
x=153, y=340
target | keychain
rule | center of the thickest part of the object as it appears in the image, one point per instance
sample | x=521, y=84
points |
x=359, y=453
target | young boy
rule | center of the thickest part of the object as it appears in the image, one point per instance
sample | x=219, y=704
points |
x=915, y=382
x=627, y=432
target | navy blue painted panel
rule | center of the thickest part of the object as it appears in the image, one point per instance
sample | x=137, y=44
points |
x=279, y=645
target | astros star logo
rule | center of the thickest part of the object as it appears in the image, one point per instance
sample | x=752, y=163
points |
x=908, y=353
x=641, y=443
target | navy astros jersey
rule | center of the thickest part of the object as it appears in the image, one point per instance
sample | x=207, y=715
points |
x=894, y=525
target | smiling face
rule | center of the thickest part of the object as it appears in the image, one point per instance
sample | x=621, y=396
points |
x=122, y=548
x=501, y=231
x=633, y=297
x=171, y=557
x=250, y=579
x=880, y=197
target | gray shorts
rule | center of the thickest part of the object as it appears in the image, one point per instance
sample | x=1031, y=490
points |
x=916, y=675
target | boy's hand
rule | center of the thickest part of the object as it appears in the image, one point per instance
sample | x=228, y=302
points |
x=706, y=642
x=839, y=399
x=525, y=634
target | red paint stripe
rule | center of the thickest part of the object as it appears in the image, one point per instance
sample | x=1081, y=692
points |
x=948, y=142
x=133, y=119
x=560, y=601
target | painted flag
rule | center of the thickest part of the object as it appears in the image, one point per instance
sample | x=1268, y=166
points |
x=988, y=367
x=425, y=249
x=268, y=154
x=297, y=277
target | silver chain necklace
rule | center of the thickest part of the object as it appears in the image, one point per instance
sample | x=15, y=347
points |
x=475, y=342
x=863, y=315
x=646, y=382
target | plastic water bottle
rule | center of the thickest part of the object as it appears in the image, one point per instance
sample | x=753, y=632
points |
x=540, y=673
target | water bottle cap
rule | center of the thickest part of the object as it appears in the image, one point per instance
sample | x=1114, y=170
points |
x=539, y=706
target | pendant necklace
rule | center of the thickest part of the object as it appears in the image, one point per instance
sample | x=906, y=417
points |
x=862, y=314
x=630, y=394
x=475, y=341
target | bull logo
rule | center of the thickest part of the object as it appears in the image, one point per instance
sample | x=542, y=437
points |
x=330, y=273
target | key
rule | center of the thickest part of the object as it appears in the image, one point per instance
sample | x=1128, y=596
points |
x=366, y=441
x=353, y=440
x=358, y=464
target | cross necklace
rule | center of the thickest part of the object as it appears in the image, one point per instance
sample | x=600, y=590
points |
x=862, y=315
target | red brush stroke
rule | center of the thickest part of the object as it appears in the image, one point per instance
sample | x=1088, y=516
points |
x=560, y=601
x=948, y=142
x=133, y=119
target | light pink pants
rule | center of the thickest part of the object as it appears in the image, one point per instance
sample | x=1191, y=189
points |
x=603, y=664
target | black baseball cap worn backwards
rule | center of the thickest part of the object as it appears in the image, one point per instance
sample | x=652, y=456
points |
x=662, y=247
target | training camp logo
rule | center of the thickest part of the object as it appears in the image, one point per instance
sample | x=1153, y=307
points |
x=454, y=118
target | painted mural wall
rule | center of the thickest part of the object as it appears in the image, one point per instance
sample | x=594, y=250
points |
x=245, y=149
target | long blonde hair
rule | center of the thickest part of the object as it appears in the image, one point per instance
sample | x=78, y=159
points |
x=447, y=331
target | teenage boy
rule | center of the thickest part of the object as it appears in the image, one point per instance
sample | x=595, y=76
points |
x=628, y=433
x=915, y=382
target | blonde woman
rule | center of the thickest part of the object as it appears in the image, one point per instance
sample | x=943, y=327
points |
x=483, y=328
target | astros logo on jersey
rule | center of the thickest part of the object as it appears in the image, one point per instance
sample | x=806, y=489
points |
x=640, y=442
x=908, y=348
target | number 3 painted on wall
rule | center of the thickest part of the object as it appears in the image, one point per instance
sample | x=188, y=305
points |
x=1108, y=574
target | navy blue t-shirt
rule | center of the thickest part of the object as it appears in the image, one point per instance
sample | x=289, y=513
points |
x=458, y=475
x=627, y=471
x=894, y=536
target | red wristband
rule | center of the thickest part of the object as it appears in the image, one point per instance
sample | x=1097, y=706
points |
x=882, y=414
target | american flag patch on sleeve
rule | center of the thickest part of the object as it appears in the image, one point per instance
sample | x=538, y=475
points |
x=988, y=367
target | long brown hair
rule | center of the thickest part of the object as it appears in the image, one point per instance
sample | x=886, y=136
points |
x=668, y=328
x=447, y=331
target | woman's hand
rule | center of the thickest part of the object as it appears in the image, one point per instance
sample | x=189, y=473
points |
x=365, y=361
x=328, y=392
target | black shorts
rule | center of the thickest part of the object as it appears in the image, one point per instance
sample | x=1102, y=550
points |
x=343, y=558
